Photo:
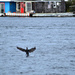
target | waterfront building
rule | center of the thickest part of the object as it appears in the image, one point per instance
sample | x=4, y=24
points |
x=39, y=6
x=7, y=6
x=49, y=6
x=23, y=7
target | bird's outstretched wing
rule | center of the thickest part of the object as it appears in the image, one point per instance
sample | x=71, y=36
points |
x=21, y=49
x=32, y=49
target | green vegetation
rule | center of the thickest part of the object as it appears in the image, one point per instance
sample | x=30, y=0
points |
x=70, y=6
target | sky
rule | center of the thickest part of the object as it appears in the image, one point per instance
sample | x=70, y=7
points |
x=66, y=0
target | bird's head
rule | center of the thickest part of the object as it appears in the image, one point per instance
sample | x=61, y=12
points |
x=26, y=48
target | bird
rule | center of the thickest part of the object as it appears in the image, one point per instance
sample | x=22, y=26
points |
x=27, y=50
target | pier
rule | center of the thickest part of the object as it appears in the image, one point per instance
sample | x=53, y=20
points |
x=17, y=14
x=53, y=15
x=70, y=14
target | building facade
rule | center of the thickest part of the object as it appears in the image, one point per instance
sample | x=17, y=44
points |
x=23, y=7
x=39, y=6
x=7, y=6
x=51, y=6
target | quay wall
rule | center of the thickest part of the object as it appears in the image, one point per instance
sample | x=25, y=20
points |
x=38, y=14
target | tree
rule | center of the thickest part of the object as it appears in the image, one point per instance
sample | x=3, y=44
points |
x=69, y=5
x=72, y=1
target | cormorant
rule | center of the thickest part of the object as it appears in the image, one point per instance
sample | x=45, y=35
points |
x=27, y=50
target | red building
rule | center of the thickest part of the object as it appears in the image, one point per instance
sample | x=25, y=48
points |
x=23, y=7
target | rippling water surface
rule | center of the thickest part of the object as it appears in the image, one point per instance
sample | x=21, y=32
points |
x=53, y=37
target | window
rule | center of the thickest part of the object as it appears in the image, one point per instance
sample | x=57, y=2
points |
x=1, y=7
x=29, y=6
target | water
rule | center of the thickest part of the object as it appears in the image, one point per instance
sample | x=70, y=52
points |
x=53, y=37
